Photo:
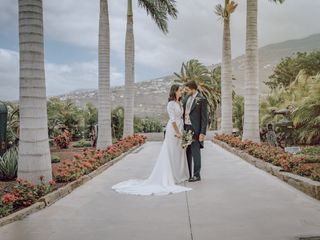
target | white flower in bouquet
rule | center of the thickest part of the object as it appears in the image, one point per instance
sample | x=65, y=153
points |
x=187, y=138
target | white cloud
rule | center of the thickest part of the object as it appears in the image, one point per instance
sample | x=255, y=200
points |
x=197, y=33
x=60, y=78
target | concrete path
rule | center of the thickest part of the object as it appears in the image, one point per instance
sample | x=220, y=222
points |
x=234, y=201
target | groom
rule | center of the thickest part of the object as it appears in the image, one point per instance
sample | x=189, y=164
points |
x=195, y=117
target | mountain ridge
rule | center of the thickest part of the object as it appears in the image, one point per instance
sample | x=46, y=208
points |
x=151, y=95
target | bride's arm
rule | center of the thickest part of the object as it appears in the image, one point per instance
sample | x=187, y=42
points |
x=176, y=129
x=171, y=112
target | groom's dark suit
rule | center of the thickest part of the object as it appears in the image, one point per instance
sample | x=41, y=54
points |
x=199, y=121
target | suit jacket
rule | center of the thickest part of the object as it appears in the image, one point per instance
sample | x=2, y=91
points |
x=198, y=115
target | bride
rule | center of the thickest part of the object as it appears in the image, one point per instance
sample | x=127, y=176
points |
x=171, y=166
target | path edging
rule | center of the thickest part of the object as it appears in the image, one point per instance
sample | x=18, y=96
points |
x=306, y=185
x=52, y=197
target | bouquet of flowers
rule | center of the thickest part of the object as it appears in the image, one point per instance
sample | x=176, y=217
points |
x=187, y=138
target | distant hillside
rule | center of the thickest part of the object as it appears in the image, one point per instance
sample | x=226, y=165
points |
x=270, y=56
x=151, y=96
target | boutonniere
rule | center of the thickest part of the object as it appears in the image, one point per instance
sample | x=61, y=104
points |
x=197, y=99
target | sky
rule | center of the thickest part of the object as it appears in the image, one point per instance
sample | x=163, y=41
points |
x=71, y=39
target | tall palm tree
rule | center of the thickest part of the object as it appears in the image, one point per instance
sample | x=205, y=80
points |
x=251, y=101
x=226, y=66
x=159, y=11
x=34, y=154
x=104, y=112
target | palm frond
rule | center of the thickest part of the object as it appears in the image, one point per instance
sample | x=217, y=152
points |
x=170, y=7
x=159, y=11
x=277, y=1
x=219, y=11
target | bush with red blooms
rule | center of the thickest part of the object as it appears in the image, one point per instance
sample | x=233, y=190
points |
x=24, y=194
x=275, y=155
x=63, y=140
x=91, y=159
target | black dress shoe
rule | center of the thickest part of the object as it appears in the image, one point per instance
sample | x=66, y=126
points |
x=195, y=179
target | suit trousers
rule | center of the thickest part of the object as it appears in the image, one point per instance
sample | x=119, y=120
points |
x=193, y=153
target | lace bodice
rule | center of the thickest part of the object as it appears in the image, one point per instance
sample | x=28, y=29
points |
x=175, y=111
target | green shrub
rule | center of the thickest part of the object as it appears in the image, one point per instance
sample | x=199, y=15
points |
x=9, y=164
x=81, y=143
x=315, y=151
x=5, y=209
x=55, y=159
x=151, y=125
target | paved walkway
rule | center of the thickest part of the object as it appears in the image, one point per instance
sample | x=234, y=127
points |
x=234, y=201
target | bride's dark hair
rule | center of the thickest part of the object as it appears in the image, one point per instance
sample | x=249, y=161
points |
x=172, y=95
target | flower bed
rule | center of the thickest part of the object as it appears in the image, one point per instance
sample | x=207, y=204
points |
x=25, y=193
x=298, y=164
x=91, y=159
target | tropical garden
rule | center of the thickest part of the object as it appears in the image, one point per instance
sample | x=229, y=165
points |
x=292, y=105
x=37, y=126
x=52, y=142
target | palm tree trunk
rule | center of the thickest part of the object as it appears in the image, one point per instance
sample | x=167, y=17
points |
x=226, y=78
x=251, y=103
x=104, y=114
x=129, y=75
x=34, y=153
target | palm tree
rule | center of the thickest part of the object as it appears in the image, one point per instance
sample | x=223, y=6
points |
x=104, y=114
x=159, y=11
x=251, y=100
x=208, y=82
x=226, y=66
x=34, y=153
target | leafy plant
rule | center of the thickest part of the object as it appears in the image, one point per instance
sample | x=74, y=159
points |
x=63, y=140
x=64, y=114
x=288, y=69
x=302, y=98
x=55, y=159
x=117, y=118
x=5, y=209
x=147, y=125
x=9, y=164
x=311, y=150
x=12, y=124
x=81, y=143
x=238, y=112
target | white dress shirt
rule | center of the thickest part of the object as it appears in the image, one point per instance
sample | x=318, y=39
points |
x=188, y=108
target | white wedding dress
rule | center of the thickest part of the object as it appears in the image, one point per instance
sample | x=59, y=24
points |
x=171, y=167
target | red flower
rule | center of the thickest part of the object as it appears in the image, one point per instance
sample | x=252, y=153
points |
x=77, y=156
x=8, y=198
x=52, y=182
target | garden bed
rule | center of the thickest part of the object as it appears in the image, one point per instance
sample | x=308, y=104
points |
x=68, y=174
x=296, y=170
